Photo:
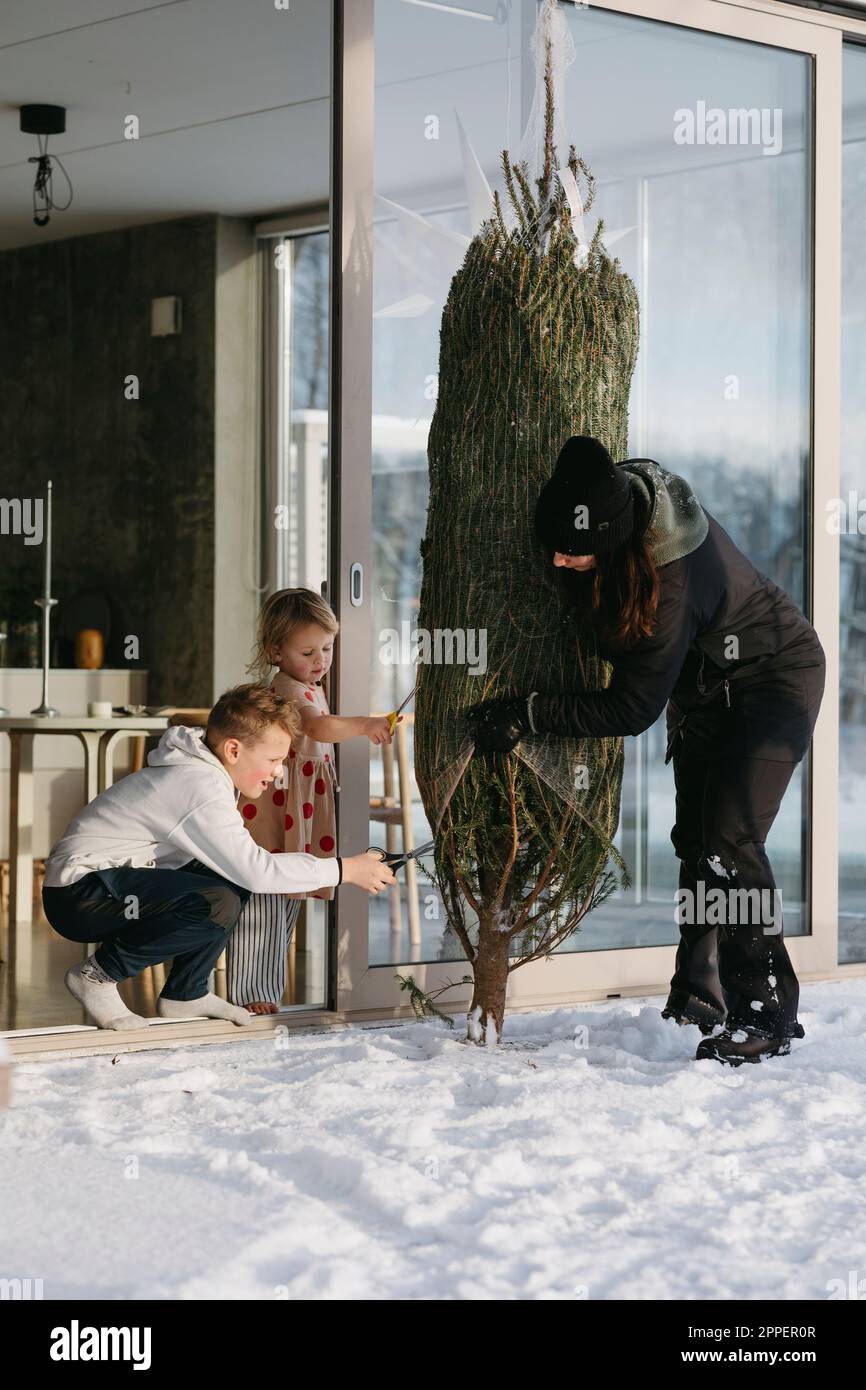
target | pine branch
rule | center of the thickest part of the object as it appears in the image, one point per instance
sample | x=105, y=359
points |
x=422, y=1004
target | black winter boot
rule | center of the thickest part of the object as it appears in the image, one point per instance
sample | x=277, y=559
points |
x=687, y=1008
x=736, y=1045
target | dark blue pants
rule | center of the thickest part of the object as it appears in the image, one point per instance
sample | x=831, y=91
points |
x=144, y=916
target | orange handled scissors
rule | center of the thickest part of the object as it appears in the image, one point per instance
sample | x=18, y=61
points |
x=394, y=713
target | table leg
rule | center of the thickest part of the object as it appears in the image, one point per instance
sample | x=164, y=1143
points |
x=21, y=854
x=90, y=740
x=107, y=744
x=105, y=774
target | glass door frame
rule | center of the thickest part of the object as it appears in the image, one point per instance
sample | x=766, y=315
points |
x=276, y=407
x=358, y=988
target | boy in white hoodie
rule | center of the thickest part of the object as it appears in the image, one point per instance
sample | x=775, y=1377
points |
x=160, y=864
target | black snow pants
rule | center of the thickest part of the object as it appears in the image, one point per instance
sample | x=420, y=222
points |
x=734, y=752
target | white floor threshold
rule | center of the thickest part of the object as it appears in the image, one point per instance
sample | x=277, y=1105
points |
x=83, y=1040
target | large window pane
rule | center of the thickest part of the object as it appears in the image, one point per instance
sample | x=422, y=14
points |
x=716, y=237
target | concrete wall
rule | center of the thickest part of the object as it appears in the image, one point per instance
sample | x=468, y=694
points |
x=152, y=496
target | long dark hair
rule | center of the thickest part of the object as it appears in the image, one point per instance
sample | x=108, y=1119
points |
x=619, y=597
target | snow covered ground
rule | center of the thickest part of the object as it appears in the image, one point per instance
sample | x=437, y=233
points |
x=591, y=1158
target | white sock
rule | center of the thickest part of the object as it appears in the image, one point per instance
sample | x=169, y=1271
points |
x=208, y=1006
x=96, y=990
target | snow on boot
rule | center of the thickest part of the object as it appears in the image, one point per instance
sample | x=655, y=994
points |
x=96, y=990
x=686, y=1008
x=207, y=1006
x=736, y=1045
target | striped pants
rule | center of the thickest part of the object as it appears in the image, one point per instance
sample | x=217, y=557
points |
x=256, y=949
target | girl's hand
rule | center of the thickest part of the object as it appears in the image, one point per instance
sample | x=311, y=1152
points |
x=378, y=728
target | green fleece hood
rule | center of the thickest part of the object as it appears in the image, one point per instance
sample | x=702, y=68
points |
x=677, y=523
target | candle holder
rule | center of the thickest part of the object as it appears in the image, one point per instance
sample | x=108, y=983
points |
x=46, y=604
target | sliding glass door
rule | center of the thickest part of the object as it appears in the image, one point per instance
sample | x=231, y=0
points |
x=295, y=506
x=704, y=142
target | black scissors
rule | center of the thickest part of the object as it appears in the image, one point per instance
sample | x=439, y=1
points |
x=396, y=861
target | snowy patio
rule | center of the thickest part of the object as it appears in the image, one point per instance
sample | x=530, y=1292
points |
x=590, y=1158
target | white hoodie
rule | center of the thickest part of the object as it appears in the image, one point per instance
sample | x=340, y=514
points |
x=182, y=806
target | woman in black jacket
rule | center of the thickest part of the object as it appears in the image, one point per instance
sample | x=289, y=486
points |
x=690, y=625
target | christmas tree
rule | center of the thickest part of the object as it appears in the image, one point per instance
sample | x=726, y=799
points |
x=538, y=342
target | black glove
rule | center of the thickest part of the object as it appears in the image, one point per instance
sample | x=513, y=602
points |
x=498, y=725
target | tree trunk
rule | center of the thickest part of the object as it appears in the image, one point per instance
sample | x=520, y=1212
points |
x=487, y=1010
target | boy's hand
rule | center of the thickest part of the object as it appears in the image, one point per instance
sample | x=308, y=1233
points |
x=378, y=729
x=368, y=871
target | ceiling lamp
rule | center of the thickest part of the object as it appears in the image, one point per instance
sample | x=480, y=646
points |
x=43, y=121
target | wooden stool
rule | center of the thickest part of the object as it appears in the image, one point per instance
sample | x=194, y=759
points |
x=393, y=811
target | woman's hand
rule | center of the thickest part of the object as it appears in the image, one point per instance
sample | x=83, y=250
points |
x=499, y=725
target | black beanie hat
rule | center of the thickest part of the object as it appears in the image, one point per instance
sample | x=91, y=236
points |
x=585, y=476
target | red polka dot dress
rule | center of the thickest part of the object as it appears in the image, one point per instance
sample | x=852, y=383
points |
x=298, y=814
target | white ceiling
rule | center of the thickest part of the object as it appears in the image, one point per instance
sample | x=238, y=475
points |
x=233, y=102
x=231, y=95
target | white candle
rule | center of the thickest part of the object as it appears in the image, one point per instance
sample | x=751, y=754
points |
x=48, y=547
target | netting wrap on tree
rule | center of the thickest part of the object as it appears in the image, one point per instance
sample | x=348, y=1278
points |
x=538, y=342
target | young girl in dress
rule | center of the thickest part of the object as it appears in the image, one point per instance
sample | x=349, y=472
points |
x=296, y=631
